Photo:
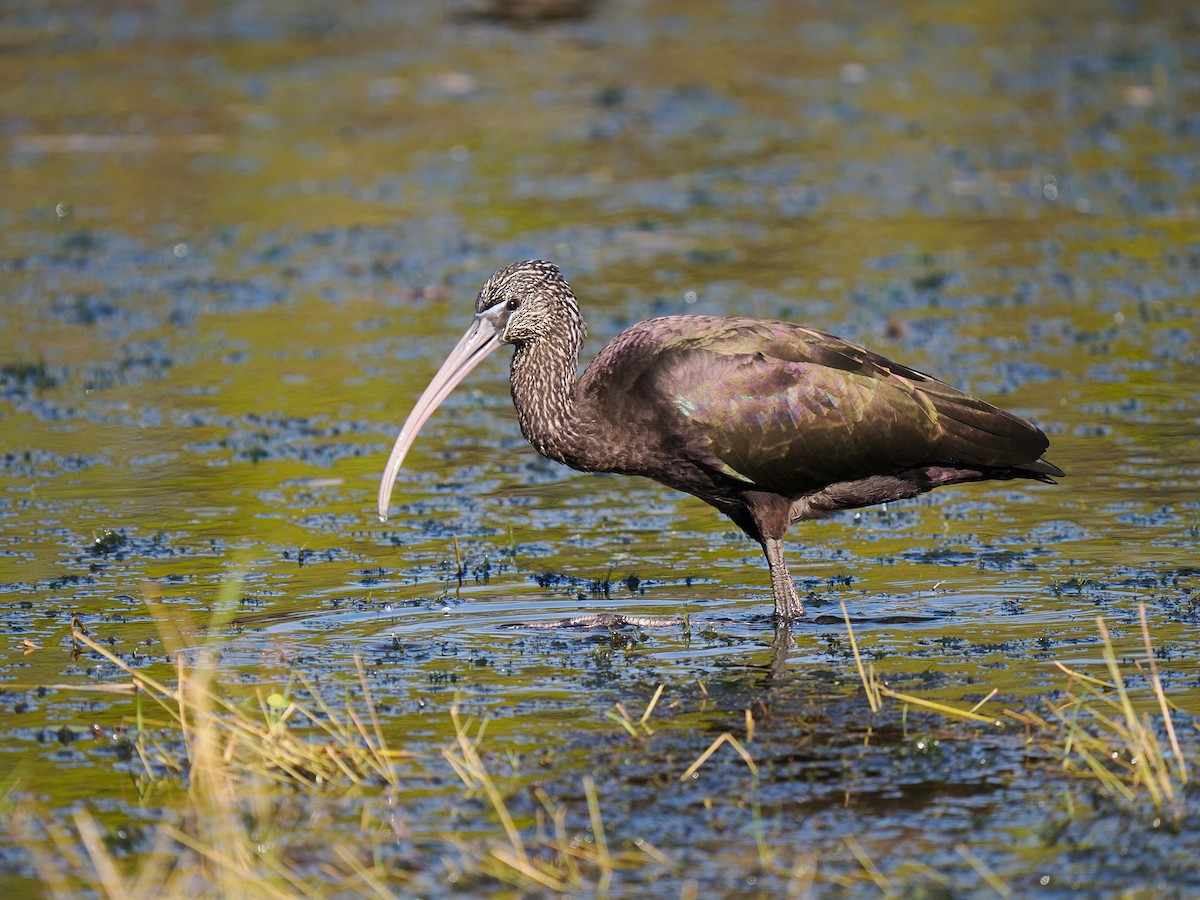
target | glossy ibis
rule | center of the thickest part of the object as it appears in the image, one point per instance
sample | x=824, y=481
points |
x=769, y=422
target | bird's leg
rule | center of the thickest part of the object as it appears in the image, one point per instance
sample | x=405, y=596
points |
x=788, y=604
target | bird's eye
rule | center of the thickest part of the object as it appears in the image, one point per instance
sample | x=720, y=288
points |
x=513, y=303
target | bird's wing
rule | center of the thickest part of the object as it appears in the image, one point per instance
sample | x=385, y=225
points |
x=791, y=409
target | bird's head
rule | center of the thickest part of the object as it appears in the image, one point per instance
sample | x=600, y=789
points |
x=518, y=304
x=525, y=300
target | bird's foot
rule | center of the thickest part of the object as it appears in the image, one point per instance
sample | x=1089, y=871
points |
x=788, y=605
x=602, y=620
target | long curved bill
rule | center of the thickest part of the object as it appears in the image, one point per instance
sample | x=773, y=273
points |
x=480, y=340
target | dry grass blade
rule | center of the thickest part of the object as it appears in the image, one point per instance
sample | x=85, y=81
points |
x=1143, y=746
x=992, y=693
x=367, y=877
x=267, y=747
x=378, y=747
x=1161, y=696
x=54, y=854
x=982, y=869
x=952, y=712
x=105, y=866
x=221, y=843
x=81, y=688
x=725, y=738
x=140, y=679
x=561, y=839
x=552, y=861
x=621, y=717
x=650, y=708
x=1117, y=746
x=641, y=727
x=870, y=685
x=470, y=768
x=521, y=865
x=603, y=860
x=1080, y=676
x=868, y=864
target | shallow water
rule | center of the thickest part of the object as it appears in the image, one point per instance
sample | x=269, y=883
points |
x=239, y=240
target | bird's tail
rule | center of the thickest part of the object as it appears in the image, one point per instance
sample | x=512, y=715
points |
x=1039, y=470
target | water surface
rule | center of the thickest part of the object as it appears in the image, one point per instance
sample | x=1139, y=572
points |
x=239, y=240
